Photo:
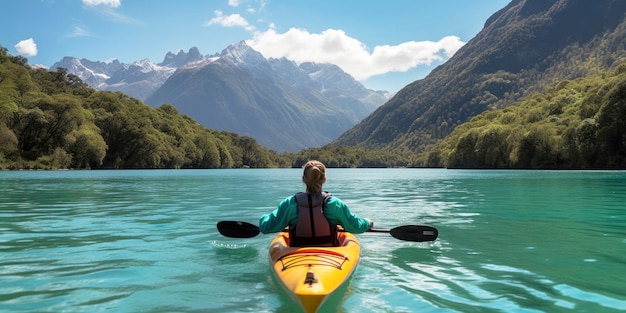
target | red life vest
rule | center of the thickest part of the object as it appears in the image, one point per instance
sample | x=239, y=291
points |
x=312, y=227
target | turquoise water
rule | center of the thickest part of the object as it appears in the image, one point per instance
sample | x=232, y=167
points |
x=146, y=241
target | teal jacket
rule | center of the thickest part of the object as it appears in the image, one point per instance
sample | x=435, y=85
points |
x=337, y=213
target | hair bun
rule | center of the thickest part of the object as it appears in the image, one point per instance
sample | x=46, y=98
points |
x=314, y=176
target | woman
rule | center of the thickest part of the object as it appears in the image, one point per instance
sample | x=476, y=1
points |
x=313, y=216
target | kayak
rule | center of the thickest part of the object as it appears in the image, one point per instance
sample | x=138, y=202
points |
x=311, y=274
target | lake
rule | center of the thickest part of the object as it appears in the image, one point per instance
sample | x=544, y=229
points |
x=146, y=240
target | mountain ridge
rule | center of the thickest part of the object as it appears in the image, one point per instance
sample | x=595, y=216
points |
x=138, y=79
x=272, y=100
x=144, y=80
x=524, y=46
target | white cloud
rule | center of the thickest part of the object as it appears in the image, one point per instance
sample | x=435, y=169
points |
x=27, y=48
x=116, y=17
x=233, y=3
x=233, y=20
x=108, y=8
x=354, y=57
x=109, y=3
x=79, y=32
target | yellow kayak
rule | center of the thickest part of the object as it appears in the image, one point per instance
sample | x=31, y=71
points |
x=311, y=274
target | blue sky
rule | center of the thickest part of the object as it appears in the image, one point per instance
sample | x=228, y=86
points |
x=384, y=44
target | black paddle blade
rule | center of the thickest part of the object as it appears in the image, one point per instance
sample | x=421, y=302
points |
x=236, y=229
x=417, y=233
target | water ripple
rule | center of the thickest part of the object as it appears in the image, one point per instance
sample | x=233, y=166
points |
x=146, y=241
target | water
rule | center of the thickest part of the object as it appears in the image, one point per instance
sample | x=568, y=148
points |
x=146, y=241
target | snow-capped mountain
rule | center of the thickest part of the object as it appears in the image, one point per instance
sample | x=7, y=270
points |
x=283, y=105
x=333, y=82
x=274, y=101
x=138, y=79
x=95, y=74
x=182, y=58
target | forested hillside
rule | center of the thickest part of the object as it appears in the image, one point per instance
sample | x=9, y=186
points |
x=526, y=47
x=52, y=120
x=578, y=124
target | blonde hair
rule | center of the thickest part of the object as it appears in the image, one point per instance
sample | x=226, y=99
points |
x=314, y=176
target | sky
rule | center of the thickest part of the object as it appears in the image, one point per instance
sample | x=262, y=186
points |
x=385, y=44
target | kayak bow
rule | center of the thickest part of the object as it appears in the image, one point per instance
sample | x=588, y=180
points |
x=311, y=274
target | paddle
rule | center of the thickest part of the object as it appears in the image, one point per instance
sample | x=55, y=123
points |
x=416, y=233
x=237, y=229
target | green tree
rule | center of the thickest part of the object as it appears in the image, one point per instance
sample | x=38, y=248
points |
x=29, y=129
x=612, y=126
x=130, y=142
x=586, y=142
x=463, y=154
x=87, y=147
x=8, y=143
x=209, y=154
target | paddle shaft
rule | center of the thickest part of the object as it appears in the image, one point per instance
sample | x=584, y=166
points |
x=426, y=230
x=416, y=233
x=376, y=230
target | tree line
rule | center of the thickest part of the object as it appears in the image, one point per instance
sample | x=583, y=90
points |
x=52, y=120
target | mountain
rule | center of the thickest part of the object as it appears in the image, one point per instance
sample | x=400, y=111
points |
x=138, y=79
x=277, y=102
x=336, y=84
x=181, y=58
x=320, y=95
x=92, y=73
x=331, y=81
x=523, y=48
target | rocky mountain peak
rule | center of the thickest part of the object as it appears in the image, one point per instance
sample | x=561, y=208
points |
x=181, y=58
x=242, y=54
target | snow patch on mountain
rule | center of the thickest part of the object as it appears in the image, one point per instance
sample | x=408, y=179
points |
x=142, y=78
